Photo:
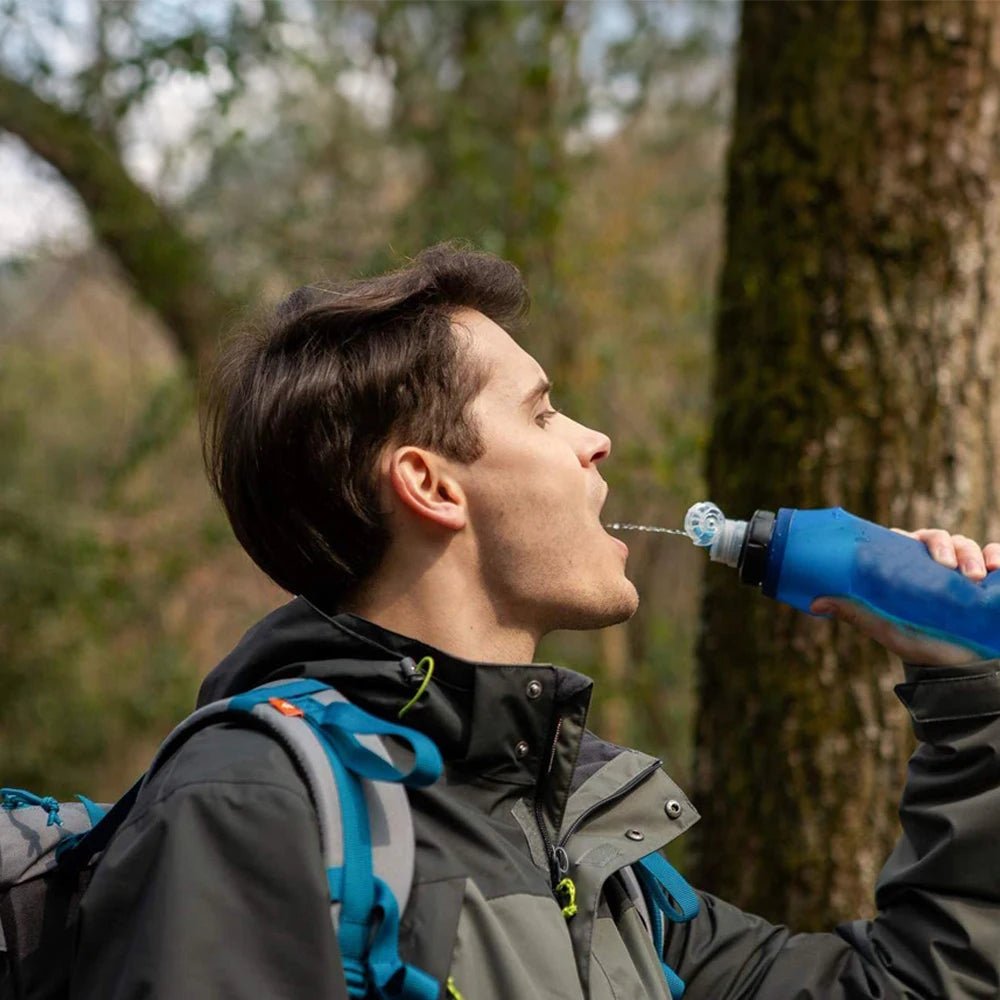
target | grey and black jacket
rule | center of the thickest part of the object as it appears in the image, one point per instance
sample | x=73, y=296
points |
x=215, y=887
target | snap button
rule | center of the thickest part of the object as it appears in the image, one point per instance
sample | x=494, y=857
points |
x=522, y=749
x=534, y=689
x=635, y=835
x=673, y=808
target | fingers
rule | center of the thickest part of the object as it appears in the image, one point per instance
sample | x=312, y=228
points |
x=940, y=544
x=959, y=552
x=991, y=556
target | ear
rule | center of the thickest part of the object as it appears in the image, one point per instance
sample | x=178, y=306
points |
x=422, y=482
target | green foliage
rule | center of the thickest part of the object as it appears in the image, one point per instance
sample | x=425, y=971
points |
x=86, y=664
x=167, y=410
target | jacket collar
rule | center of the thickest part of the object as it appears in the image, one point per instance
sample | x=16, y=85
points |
x=518, y=724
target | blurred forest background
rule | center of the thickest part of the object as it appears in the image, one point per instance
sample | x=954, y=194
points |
x=811, y=319
x=280, y=143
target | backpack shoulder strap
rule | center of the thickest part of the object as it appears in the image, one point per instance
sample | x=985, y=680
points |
x=365, y=822
x=280, y=708
x=667, y=897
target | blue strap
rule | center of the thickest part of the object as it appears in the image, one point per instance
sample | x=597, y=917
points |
x=340, y=721
x=17, y=798
x=675, y=984
x=368, y=924
x=289, y=690
x=391, y=976
x=356, y=878
x=383, y=968
x=669, y=896
x=95, y=813
x=77, y=852
x=674, y=897
x=369, y=961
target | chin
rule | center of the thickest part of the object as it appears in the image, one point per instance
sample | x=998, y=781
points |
x=626, y=608
x=612, y=608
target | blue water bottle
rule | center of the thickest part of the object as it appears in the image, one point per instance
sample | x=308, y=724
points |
x=796, y=556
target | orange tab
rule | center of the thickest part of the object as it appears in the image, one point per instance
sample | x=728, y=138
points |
x=285, y=707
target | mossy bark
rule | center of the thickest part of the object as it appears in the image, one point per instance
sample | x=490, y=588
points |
x=857, y=345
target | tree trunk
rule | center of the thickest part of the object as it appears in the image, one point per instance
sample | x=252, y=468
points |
x=857, y=343
x=168, y=270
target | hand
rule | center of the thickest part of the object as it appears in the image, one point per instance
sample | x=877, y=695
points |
x=958, y=552
x=954, y=551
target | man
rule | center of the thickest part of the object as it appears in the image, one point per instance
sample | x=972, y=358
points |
x=388, y=452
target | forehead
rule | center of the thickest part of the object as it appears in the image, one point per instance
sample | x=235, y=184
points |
x=511, y=370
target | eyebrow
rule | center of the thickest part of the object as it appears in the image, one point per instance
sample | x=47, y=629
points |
x=543, y=388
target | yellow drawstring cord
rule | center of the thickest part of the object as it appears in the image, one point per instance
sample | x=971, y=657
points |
x=453, y=990
x=429, y=662
x=569, y=887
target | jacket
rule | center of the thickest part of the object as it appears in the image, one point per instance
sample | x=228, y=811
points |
x=215, y=887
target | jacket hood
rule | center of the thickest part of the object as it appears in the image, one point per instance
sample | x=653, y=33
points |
x=516, y=723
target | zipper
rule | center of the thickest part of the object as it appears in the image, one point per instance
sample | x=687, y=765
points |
x=560, y=859
x=555, y=874
x=556, y=854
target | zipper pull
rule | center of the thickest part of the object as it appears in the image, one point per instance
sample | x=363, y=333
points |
x=558, y=865
x=562, y=885
x=560, y=860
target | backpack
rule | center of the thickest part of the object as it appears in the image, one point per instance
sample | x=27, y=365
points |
x=48, y=849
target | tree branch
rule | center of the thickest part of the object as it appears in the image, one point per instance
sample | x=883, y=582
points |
x=169, y=270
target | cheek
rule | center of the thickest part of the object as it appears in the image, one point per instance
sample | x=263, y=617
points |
x=525, y=472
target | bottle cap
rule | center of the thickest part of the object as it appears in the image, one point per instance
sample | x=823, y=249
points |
x=753, y=556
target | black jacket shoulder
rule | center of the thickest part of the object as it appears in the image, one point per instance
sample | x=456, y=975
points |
x=206, y=912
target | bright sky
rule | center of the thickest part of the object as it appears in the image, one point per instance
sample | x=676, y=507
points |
x=35, y=205
x=38, y=212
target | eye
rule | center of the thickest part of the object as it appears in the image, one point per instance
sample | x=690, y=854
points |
x=543, y=418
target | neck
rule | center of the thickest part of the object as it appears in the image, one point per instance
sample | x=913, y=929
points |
x=437, y=603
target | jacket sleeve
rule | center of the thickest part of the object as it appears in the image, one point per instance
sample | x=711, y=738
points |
x=215, y=887
x=937, y=933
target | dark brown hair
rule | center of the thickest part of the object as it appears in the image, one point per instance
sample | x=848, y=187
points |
x=298, y=410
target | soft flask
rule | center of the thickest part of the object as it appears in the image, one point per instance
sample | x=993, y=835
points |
x=796, y=556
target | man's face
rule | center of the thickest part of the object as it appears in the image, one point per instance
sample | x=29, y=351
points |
x=534, y=499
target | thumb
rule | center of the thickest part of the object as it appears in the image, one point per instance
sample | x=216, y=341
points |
x=832, y=607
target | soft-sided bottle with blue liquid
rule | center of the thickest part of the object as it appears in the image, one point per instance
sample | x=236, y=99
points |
x=796, y=556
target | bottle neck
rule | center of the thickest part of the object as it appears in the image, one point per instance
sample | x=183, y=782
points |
x=729, y=543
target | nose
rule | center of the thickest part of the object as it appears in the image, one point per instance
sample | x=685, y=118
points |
x=594, y=446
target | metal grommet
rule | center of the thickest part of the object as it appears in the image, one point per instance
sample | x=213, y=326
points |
x=522, y=749
x=534, y=689
x=673, y=808
x=635, y=835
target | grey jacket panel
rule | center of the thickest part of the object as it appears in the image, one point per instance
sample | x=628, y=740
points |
x=215, y=888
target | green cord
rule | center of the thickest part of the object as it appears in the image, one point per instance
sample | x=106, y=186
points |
x=453, y=990
x=429, y=661
x=567, y=888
